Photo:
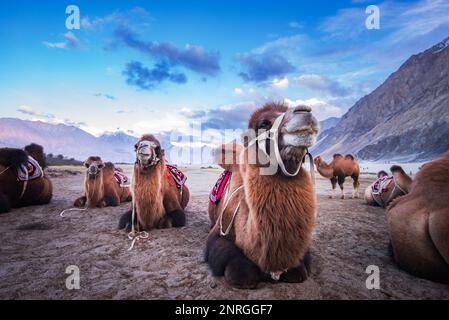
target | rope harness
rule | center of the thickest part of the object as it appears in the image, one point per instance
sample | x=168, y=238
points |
x=377, y=195
x=273, y=135
x=89, y=196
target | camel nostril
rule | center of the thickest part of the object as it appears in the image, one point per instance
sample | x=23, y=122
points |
x=302, y=109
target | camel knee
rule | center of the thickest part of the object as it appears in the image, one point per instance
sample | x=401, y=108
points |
x=5, y=206
x=219, y=251
x=300, y=273
x=80, y=202
x=125, y=221
x=242, y=273
x=176, y=218
x=112, y=201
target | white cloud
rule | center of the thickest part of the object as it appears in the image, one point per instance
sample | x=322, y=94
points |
x=281, y=84
x=320, y=109
x=71, y=42
x=238, y=91
x=295, y=25
x=322, y=84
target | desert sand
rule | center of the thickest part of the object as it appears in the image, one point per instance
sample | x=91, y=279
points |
x=37, y=246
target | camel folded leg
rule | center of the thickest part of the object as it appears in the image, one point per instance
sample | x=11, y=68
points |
x=414, y=240
x=80, y=202
x=226, y=259
x=175, y=218
x=5, y=206
x=300, y=273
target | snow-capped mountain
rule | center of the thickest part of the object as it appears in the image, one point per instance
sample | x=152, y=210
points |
x=66, y=140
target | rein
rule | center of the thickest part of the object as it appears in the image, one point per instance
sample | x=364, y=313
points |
x=273, y=135
x=133, y=235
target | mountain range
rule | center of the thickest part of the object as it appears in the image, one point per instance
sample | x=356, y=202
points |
x=405, y=119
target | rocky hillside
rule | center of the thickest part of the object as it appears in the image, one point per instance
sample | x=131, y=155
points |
x=404, y=119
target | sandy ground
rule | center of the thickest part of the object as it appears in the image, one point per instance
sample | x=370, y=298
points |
x=37, y=246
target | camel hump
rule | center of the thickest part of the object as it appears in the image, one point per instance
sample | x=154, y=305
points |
x=382, y=173
x=10, y=157
x=396, y=168
x=337, y=155
x=349, y=156
x=109, y=165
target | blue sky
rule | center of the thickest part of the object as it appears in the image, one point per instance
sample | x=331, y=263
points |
x=154, y=66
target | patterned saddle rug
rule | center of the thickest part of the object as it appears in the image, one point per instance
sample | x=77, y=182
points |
x=217, y=191
x=29, y=171
x=121, y=178
x=381, y=185
x=178, y=176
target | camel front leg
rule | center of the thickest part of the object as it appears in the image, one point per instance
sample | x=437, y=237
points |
x=226, y=259
x=356, y=184
x=341, y=181
x=300, y=273
x=334, y=185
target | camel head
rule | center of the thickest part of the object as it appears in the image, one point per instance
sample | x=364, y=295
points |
x=94, y=166
x=148, y=152
x=285, y=132
x=37, y=152
x=318, y=161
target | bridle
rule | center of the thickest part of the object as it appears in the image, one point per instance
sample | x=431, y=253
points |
x=273, y=135
x=146, y=155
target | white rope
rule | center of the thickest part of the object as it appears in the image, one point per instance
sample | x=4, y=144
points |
x=228, y=229
x=5, y=170
x=89, y=196
x=133, y=235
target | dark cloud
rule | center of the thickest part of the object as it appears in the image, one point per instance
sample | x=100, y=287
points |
x=192, y=57
x=140, y=76
x=261, y=67
x=323, y=85
x=192, y=114
x=105, y=95
x=31, y=112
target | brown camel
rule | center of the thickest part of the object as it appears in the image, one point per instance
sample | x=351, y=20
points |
x=337, y=171
x=101, y=187
x=23, y=181
x=159, y=199
x=419, y=223
x=385, y=189
x=263, y=224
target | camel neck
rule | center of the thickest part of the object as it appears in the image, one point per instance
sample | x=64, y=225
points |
x=148, y=193
x=280, y=210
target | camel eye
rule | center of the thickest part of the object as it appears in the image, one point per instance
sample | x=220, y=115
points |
x=264, y=124
x=101, y=166
x=86, y=165
x=158, y=150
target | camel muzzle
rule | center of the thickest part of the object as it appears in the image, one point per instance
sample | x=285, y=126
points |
x=146, y=154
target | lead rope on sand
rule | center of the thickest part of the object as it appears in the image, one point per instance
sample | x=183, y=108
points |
x=86, y=207
x=133, y=235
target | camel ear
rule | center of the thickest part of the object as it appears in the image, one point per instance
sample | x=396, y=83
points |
x=227, y=156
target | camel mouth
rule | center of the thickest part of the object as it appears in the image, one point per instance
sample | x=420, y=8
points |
x=300, y=137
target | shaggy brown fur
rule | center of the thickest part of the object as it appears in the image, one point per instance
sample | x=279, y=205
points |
x=419, y=223
x=272, y=230
x=337, y=171
x=158, y=202
x=100, y=187
x=403, y=181
x=37, y=192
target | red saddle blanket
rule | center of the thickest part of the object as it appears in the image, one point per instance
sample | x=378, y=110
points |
x=121, y=178
x=31, y=171
x=177, y=175
x=217, y=191
x=381, y=185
